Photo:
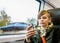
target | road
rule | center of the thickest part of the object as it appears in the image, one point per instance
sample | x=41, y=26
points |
x=13, y=38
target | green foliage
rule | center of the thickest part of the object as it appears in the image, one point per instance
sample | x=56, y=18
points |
x=1, y=23
x=4, y=18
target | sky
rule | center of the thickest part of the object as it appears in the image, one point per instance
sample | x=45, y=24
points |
x=20, y=10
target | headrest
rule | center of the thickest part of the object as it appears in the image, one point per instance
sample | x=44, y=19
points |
x=55, y=14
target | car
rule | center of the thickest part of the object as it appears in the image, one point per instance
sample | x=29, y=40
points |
x=14, y=28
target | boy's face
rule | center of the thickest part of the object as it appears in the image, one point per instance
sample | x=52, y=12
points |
x=44, y=20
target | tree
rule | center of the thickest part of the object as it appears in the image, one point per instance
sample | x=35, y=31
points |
x=4, y=18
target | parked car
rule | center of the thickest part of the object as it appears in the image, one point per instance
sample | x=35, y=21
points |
x=14, y=28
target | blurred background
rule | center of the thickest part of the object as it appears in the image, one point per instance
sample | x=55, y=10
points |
x=15, y=15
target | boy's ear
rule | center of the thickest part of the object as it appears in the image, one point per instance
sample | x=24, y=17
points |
x=50, y=20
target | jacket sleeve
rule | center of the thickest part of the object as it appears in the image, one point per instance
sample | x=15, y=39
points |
x=34, y=40
x=58, y=35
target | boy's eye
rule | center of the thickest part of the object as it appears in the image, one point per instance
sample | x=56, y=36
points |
x=44, y=17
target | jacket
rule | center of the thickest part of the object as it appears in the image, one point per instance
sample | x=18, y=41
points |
x=52, y=36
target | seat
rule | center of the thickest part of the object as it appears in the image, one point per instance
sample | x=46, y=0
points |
x=55, y=14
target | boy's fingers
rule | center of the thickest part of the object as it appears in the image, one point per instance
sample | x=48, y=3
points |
x=31, y=34
x=29, y=27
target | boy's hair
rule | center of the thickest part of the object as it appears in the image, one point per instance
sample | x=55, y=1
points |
x=44, y=12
